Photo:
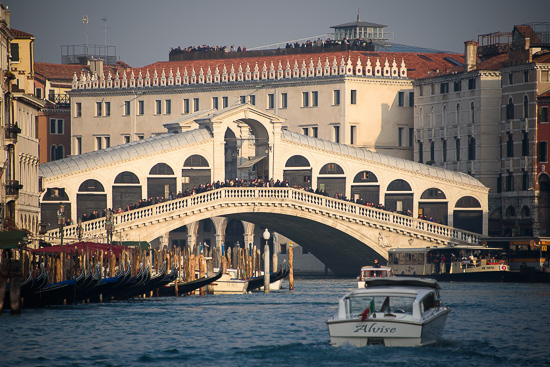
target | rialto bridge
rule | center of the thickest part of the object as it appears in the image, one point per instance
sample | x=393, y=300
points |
x=247, y=143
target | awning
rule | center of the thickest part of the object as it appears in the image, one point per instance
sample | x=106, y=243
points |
x=11, y=239
x=252, y=161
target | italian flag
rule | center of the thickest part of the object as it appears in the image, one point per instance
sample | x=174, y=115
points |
x=368, y=311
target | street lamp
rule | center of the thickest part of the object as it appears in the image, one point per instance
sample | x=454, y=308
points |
x=266, y=236
x=79, y=230
x=109, y=225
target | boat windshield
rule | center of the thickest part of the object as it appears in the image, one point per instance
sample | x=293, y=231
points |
x=387, y=304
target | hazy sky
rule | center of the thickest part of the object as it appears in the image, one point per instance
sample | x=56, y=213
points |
x=144, y=31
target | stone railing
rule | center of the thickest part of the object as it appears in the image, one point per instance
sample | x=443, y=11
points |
x=262, y=196
x=239, y=71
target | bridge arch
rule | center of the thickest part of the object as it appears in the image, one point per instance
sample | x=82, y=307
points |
x=298, y=171
x=161, y=181
x=195, y=172
x=399, y=196
x=433, y=205
x=126, y=190
x=91, y=198
x=468, y=214
x=332, y=179
x=366, y=188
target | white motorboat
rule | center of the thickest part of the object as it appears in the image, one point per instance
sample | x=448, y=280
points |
x=391, y=311
x=373, y=272
x=229, y=284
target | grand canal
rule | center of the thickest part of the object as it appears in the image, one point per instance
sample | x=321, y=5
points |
x=502, y=324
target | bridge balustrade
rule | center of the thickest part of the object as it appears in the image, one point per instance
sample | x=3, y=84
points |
x=277, y=194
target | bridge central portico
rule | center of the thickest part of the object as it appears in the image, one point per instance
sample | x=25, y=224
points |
x=245, y=142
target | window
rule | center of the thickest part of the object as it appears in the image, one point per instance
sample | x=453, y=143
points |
x=543, y=115
x=420, y=152
x=305, y=131
x=352, y=135
x=284, y=100
x=168, y=107
x=186, y=105
x=14, y=52
x=141, y=108
x=471, y=148
x=38, y=93
x=526, y=76
x=336, y=97
x=337, y=134
x=107, y=141
x=411, y=136
x=314, y=131
x=444, y=149
x=78, y=145
x=315, y=98
x=510, y=109
x=525, y=107
x=401, y=99
x=510, y=145
x=457, y=86
x=305, y=99
x=107, y=108
x=126, y=108
x=472, y=113
x=125, y=139
x=432, y=89
x=543, y=152
x=158, y=107
x=271, y=101
x=140, y=136
x=421, y=90
x=510, y=78
x=215, y=102
x=471, y=83
x=98, y=141
x=57, y=152
x=458, y=113
x=411, y=99
x=510, y=181
x=353, y=97
x=457, y=146
x=195, y=104
x=253, y=100
x=98, y=106
x=225, y=102
x=525, y=145
x=242, y=99
x=400, y=132
x=432, y=151
x=444, y=88
x=56, y=126
x=544, y=76
x=525, y=181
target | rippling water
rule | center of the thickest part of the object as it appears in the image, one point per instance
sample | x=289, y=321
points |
x=490, y=325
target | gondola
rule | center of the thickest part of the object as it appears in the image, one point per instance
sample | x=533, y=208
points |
x=110, y=291
x=147, y=285
x=258, y=282
x=57, y=293
x=186, y=287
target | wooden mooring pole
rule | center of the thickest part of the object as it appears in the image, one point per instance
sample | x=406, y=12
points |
x=291, y=266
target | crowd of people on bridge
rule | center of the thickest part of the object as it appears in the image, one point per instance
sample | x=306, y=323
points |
x=237, y=183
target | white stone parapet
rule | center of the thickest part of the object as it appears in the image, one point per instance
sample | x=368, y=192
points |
x=264, y=199
x=243, y=73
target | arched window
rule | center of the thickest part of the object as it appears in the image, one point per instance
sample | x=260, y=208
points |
x=297, y=161
x=399, y=185
x=510, y=212
x=161, y=169
x=472, y=113
x=432, y=151
x=432, y=194
x=468, y=202
x=471, y=148
x=510, y=109
x=126, y=178
x=196, y=161
x=525, y=107
x=331, y=169
x=91, y=186
x=525, y=212
x=365, y=176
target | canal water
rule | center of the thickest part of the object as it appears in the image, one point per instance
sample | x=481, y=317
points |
x=503, y=324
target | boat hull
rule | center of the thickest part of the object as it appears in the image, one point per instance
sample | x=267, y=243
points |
x=227, y=285
x=390, y=333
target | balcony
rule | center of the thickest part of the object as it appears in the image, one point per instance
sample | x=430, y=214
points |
x=60, y=100
x=13, y=187
x=11, y=132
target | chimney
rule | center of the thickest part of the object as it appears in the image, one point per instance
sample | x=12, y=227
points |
x=96, y=66
x=470, y=55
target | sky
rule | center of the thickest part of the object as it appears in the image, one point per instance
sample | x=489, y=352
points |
x=144, y=31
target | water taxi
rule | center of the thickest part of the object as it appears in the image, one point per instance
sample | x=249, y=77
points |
x=391, y=311
x=458, y=263
x=373, y=272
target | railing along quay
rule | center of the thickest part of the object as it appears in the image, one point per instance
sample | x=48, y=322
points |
x=273, y=195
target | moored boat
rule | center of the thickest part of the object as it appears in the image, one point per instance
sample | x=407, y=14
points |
x=375, y=271
x=456, y=263
x=391, y=311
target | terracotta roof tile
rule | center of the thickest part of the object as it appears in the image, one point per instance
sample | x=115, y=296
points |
x=65, y=72
x=21, y=34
